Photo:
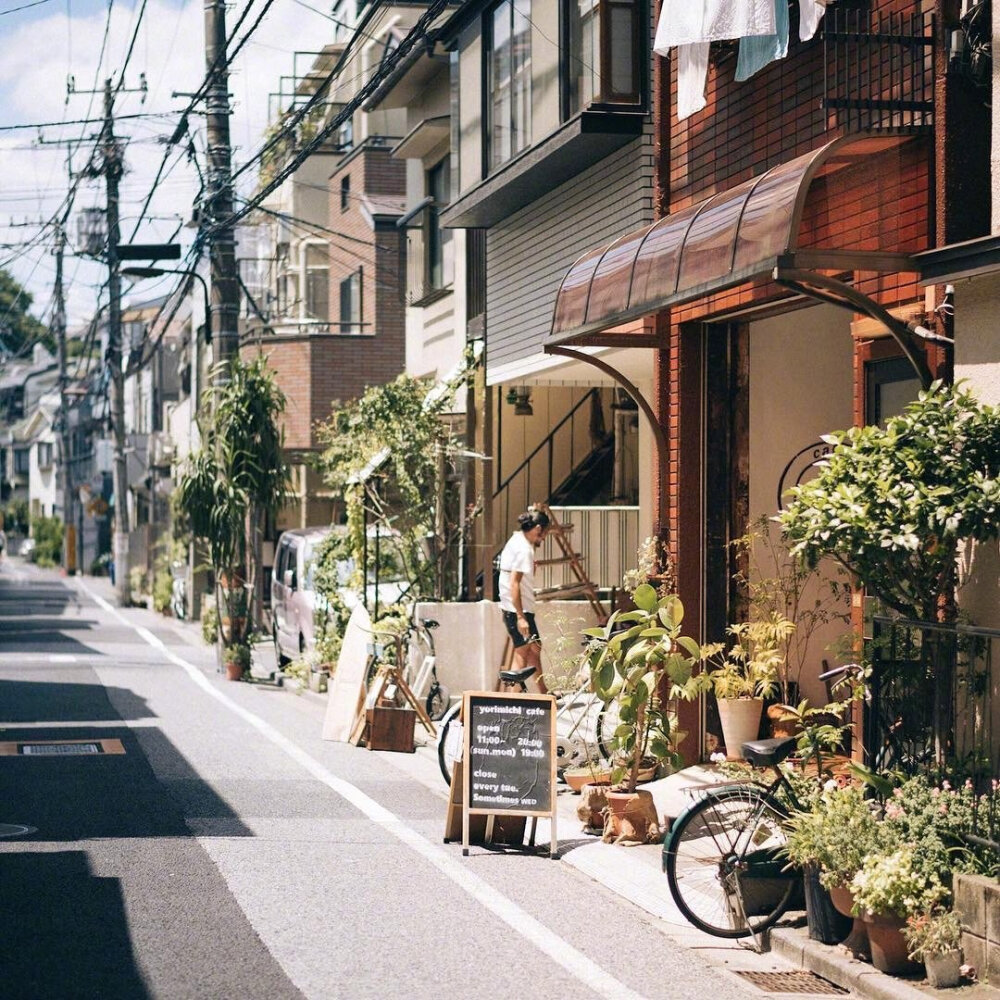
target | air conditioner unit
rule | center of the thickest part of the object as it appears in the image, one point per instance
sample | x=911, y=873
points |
x=161, y=450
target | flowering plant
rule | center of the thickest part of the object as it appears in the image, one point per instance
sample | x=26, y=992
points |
x=836, y=833
x=933, y=933
x=893, y=885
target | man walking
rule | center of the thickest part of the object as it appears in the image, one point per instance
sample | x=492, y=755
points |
x=517, y=591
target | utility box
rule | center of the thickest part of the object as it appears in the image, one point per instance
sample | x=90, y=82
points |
x=388, y=728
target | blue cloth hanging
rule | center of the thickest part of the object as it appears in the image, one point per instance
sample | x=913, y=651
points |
x=757, y=51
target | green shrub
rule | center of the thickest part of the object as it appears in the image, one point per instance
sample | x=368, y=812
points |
x=209, y=622
x=48, y=535
x=163, y=589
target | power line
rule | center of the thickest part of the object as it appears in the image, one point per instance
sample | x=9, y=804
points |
x=418, y=32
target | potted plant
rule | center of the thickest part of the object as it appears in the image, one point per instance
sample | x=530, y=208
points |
x=935, y=938
x=236, y=660
x=889, y=888
x=640, y=660
x=745, y=674
x=832, y=838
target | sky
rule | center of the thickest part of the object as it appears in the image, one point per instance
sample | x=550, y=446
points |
x=43, y=44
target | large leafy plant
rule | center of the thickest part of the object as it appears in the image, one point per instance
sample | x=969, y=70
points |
x=893, y=506
x=749, y=666
x=236, y=481
x=640, y=660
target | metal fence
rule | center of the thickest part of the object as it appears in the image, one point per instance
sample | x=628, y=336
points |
x=933, y=698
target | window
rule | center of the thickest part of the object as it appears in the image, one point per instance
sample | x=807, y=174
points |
x=603, y=63
x=21, y=461
x=508, y=91
x=345, y=193
x=440, y=249
x=317, y=282
x=350, y=303
x=891, y=384
x=44, y=455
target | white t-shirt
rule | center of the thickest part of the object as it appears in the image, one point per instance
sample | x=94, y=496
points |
x=518, y=556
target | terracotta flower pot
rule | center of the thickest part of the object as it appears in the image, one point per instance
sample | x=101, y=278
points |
x=631, y=816
x=234, y=671
x=889, y=950
x=593, y=805
x=856, y=941
x=944, y=969
x=781, y=723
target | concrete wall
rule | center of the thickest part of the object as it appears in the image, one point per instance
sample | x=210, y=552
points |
x=801, y=387
x=470, y=641
x=977, y=900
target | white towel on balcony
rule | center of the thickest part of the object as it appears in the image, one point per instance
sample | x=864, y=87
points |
x=692, y=73
x=810, y=14
x=684, y=22
x=758, y=51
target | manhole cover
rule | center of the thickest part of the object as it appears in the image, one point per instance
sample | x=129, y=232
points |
x=16, y=830
x=797, y=981
x=57, y=749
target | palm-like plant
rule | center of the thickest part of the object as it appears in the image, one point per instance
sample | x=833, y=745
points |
x=237, y=480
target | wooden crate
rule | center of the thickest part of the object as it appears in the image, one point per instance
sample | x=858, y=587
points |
x=388, y=728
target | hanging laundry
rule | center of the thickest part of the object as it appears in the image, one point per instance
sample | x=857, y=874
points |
x=758, y=51
x=692, y=74
x=689, y=25
x=684, y=22
x=810, y=14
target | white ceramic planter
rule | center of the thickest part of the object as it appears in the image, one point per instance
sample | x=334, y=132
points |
x=943, y=969
x=740, y=718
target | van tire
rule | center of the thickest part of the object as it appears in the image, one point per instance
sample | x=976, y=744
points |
x=282, y=660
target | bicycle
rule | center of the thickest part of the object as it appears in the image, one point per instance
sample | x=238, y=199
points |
x=723, y=856
x=178, y=591
x=401, y=650
x=574, y=708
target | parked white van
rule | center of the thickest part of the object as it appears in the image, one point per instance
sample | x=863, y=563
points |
x=293, y=595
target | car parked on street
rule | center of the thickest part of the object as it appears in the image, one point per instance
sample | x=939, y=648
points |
x=294, y=599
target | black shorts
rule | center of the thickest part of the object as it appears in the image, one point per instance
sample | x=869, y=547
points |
x=510, y=621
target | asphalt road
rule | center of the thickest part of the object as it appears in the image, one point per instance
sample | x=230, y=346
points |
x=229, y=852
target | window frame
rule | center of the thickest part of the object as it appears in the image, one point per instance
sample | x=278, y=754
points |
x=309, y=272
x=637, y=99
x=432, y=226
x=352, y=325
x=486, y=73
x=22, y=462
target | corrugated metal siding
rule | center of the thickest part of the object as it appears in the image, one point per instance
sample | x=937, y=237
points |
x=529, y=253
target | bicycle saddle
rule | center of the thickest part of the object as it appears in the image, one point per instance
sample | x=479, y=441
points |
x=516, y=676
x=768, y=753
x=428, y=623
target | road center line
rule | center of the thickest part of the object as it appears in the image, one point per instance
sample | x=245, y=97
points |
x=536, y=933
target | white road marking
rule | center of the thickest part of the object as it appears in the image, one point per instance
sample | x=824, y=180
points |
x=62, y=658
x=536, y=933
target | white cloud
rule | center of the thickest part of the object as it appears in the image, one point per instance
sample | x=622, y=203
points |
x=35, y=59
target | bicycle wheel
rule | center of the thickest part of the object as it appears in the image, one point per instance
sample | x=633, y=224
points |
x=449, y=734
x=723, y=862
x=604, y=729
x=437, y=702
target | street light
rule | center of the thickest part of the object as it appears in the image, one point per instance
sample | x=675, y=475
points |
x=156, y=272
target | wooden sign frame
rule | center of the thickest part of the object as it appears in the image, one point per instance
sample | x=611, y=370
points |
x=468, y=698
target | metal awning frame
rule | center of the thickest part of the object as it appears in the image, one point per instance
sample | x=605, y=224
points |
x=908, y=335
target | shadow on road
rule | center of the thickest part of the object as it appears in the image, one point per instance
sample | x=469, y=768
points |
x=61, y=701
x=65, y=931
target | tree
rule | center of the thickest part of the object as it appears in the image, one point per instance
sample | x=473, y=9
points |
x=237, y=480
x=893, y=506
x=19, y=331
x=385, y=454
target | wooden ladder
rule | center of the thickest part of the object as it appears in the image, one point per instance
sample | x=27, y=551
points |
x=583, y=585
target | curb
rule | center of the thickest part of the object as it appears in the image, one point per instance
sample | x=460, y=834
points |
x=826, y=961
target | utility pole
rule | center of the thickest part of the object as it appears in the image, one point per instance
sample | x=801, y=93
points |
x=59, y=324
x=219, y=201
x=112, y=167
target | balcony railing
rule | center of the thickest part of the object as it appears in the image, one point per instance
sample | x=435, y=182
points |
x=879, y=70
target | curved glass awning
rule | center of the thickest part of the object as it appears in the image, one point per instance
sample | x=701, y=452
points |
x=779, y=219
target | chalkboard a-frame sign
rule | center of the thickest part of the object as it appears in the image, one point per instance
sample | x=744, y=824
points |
x=509, y=758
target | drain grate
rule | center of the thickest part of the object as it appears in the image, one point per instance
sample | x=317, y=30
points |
x=57, y=749
x=62, y=748
x=796, y=981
